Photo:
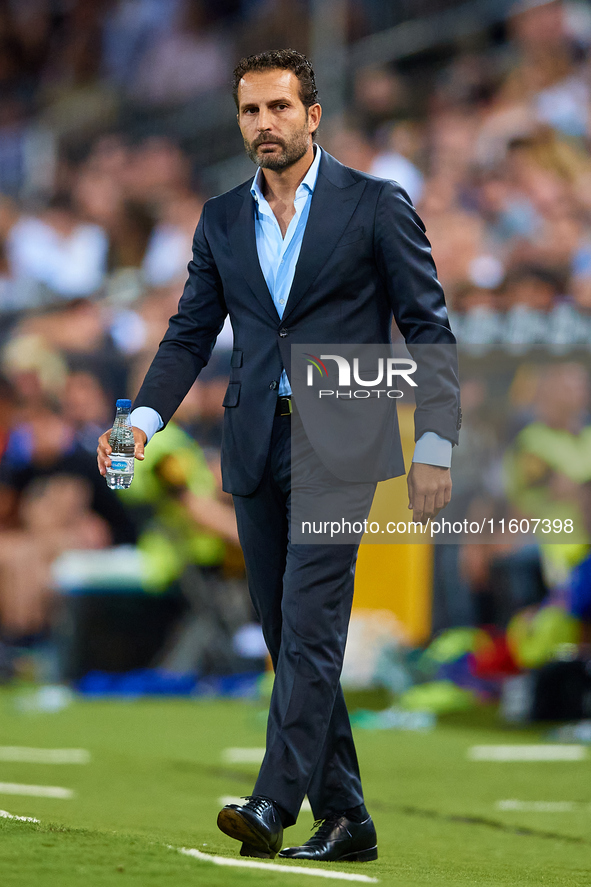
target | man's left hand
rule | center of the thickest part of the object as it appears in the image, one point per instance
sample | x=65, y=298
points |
x=429, y=490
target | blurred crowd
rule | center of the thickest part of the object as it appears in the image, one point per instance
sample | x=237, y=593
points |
x=524, y=461
x=499, y=168
x=98, y=204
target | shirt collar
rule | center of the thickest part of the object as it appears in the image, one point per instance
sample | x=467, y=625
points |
x=309, y=180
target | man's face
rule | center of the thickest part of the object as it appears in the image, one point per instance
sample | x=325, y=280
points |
x=275, y=125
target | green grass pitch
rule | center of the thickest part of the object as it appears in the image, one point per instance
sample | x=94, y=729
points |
x=157, y=774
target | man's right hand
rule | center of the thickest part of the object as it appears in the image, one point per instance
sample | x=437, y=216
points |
x=103, y=450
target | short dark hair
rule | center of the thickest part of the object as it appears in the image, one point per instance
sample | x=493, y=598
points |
x=285, y=60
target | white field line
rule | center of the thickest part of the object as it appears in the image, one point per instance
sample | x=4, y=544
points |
x=527, y=753
x=5, y=815
x=243, y=755
x=274, y=867
x=512, y=804
x=36, y=791
x=44, y=755
x=245, y=863
x=231, y=799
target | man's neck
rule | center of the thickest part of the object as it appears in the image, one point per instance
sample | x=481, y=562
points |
x=281, y=185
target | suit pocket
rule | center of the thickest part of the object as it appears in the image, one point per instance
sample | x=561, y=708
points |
x=351, y=236
x=236, y=360
x=232, y=395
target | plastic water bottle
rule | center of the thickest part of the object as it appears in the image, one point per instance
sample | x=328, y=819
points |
x=120, y=472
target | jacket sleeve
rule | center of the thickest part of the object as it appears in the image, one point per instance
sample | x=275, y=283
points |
x=405, y=263
x=191, y=334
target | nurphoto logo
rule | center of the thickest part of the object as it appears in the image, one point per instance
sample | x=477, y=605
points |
x=387, y=370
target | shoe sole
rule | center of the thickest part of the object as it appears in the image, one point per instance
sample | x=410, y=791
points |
x=357, y=856
x=360, y=856
x=253, y=853
x=231, y=823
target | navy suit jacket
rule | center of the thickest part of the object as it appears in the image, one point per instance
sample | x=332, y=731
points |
x=364, y=258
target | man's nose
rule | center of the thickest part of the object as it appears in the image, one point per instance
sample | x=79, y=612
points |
x=264, y=121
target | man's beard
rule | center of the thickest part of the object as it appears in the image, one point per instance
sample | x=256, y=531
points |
x=292, y=150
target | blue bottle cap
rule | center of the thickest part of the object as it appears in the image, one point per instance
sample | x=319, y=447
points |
x=123, y=404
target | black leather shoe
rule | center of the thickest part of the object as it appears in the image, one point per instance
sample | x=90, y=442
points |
x=256, y=823
x=338, y=840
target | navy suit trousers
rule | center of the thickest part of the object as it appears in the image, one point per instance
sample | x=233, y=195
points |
x=302, y=595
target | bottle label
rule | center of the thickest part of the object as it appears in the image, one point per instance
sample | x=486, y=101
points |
x=121, y=464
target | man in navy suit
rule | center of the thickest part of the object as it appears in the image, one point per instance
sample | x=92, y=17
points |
x=308, y=251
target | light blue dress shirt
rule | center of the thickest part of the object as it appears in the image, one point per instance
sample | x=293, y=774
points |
x=278, y=257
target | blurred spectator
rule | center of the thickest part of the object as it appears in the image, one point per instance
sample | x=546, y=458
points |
x=201, y=413
x=459, y=577
x=379, y=95
x=546, y=70
x=508, y=214
x=457, y=234
x=529, y=293
x=27, y=150
x=157, y=171
x=451, y=137
x=165, y=260
x=190, y=519
x=476, y=317
x=13, y=296
x=131, y=28
x=37, y=358
x=401, y=156
x=579, y=581
x=130, y=234
x=185, y=63
x=76, y=103
x=274, y=23
x=548, y=462
x=351, y=146
x=74, y=327
x=154, y=310
x=8, y=409
x=50, y=501
x=58, y=250
x=87, y=406
x=396, y=168
x=36, y=371
x=188, y=535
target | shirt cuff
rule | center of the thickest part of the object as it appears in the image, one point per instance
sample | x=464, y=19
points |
x=148, y=421
x=433, y=450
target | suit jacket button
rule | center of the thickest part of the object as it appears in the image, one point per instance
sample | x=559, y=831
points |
x=459, y=422
x=274, y=385
x=283, y=332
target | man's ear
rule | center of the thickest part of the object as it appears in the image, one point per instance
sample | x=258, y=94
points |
x=314, y=115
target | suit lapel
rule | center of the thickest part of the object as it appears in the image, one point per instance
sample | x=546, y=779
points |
x=335, y=198
x=334, y=201
x=242, y=236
